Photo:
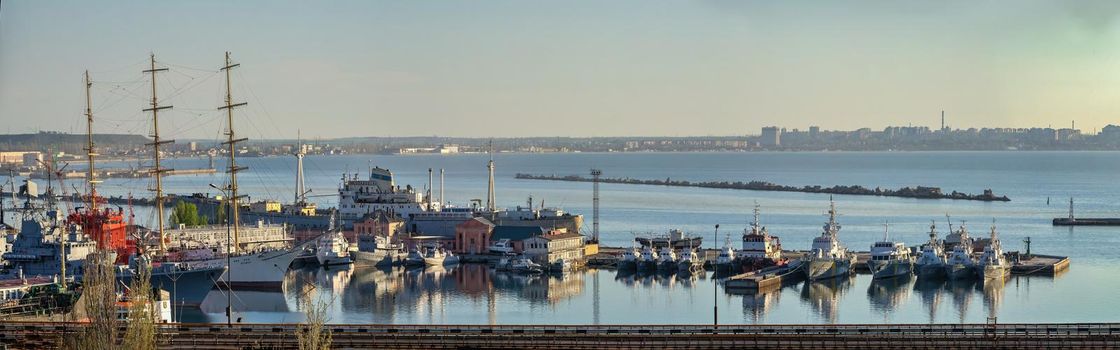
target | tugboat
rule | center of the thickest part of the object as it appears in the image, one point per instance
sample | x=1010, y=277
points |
x=667, y=259
x=960, y=264
x=889, y=258
x=726, y=258
x=828, y=258
x=648, y=259
x=333, y=250
x=760, y=249
x=993, y=265
x=931, y=262
x=629, y=259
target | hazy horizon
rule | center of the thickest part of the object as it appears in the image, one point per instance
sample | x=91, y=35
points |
x=578, y=69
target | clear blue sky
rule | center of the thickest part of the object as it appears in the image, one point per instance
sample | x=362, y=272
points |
x=562, y=68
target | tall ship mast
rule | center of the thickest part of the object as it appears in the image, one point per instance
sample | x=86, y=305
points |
x=157, y=170
x=232, y=141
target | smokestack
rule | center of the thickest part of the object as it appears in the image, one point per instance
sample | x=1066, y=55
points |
x=441, y=187
x=942, y=120
x=429, y=188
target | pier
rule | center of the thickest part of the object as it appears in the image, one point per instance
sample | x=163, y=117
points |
x=30, y=335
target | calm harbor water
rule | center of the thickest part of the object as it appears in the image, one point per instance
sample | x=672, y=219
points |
x=474, y=294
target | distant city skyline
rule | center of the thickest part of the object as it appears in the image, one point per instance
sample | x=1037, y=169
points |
x=580, y=69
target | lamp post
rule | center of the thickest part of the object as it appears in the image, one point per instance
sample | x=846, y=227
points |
x=229, y=271
x=715, y=290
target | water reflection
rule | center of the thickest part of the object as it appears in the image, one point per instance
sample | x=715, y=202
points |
x=478, y=294
x=930, y=291
x=757, y=305
x=824, y=296
x=886, y=294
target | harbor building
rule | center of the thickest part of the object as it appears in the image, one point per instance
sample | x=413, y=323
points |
x=473, y=236
x=554, y=247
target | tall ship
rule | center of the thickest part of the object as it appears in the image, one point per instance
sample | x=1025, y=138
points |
x=213, y=248
x=931, y=260
x=992, y=264
x=828, y=258
x=760, y=249
x=890, y=258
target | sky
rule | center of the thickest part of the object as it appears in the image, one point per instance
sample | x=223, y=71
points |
x=559, y=68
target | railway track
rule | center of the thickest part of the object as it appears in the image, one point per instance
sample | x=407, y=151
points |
x=34, y=335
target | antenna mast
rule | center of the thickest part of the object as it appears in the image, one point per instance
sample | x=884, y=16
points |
x=157, y=171
x=232, y=142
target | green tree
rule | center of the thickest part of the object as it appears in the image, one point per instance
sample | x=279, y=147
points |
x=186, y=214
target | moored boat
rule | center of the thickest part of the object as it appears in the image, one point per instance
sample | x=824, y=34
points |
x=667, y=259
x=931, y=261
x=992, y=264
x=333, y=249
x=889, y=258
x=649, y=259
x=760, y=249
x=960, y=264
x=828, y=258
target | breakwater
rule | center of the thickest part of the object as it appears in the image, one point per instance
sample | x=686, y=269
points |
x=921, y=192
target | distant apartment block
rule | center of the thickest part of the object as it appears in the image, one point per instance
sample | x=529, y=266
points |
x=771, y=136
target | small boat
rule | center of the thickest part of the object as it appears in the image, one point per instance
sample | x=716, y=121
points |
x=502, y=246
x=828, y=258
x=667, y=259
x=690, y=261
x=725, y=261
x=333, y=249
x=931, y=261
x=993, y=265
x=415, y=258
x=676, y=239
x=889, y=258
x=629, y=259
x=518, y=263
x=648, y=260
x=434, y=257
